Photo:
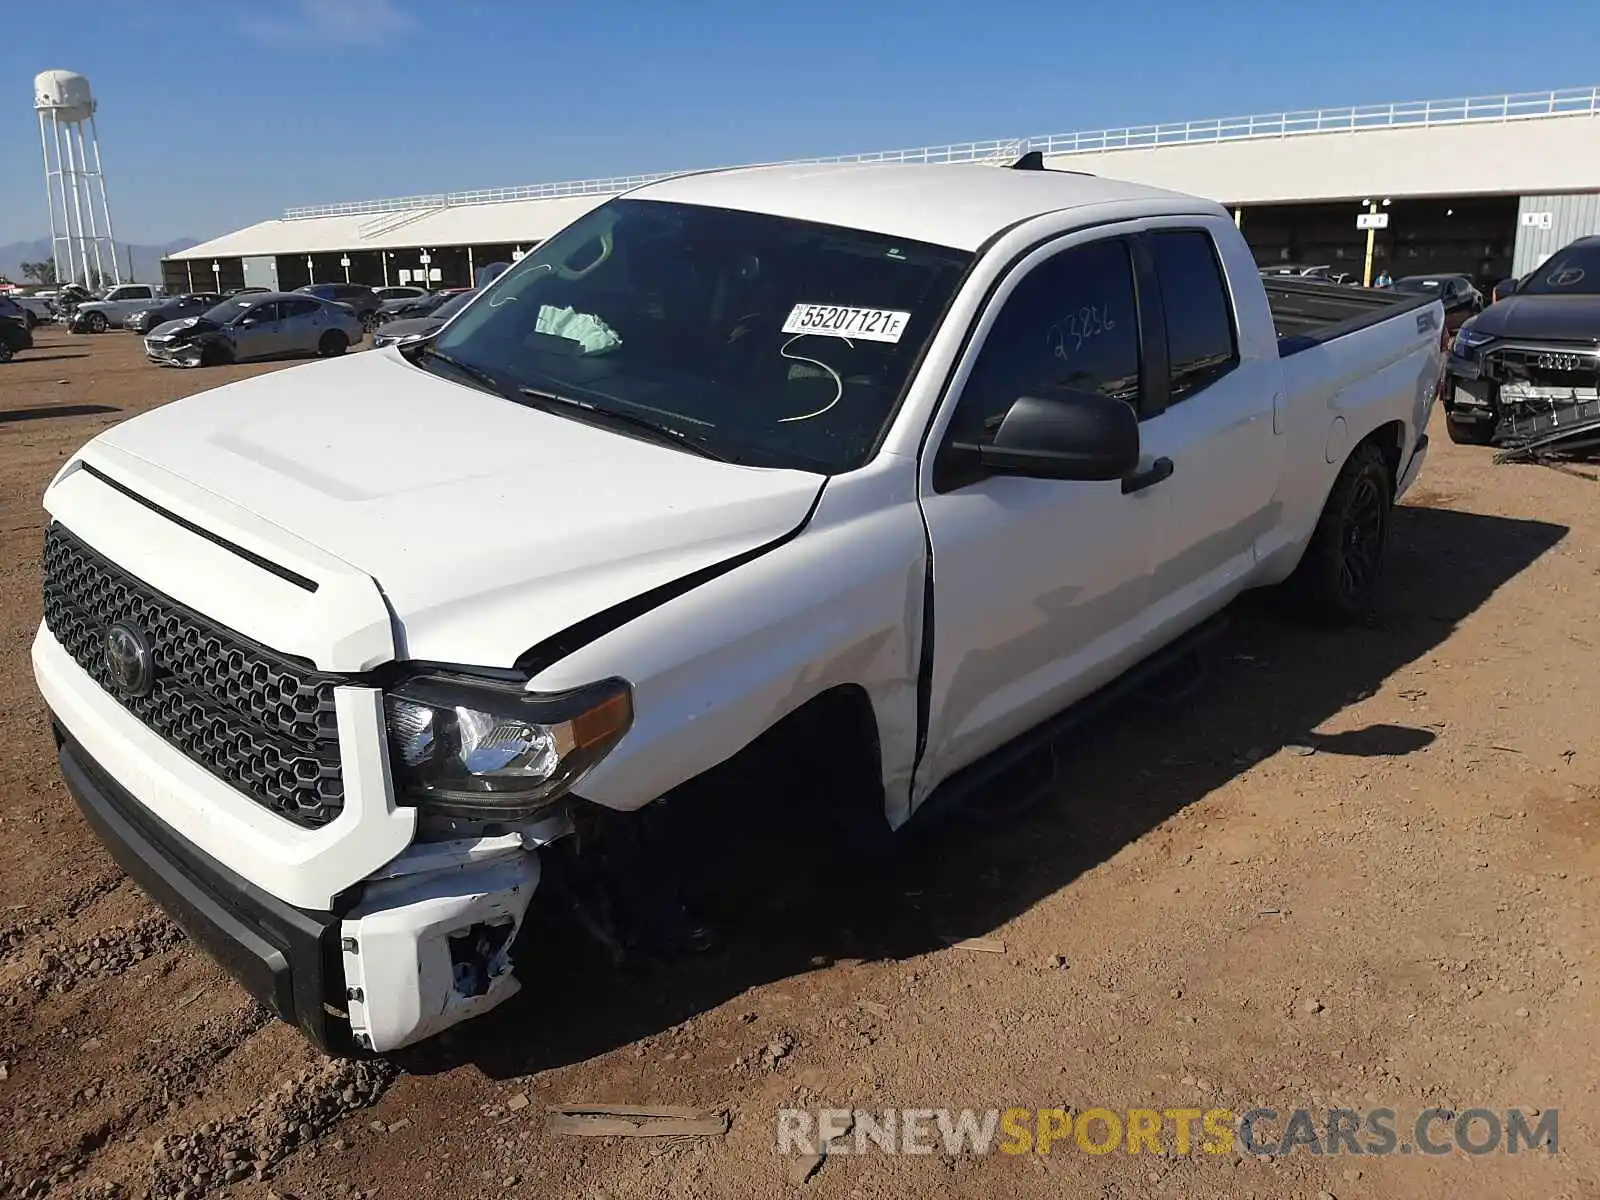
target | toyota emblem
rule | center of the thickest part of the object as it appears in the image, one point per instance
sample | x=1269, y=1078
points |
x=128, y=660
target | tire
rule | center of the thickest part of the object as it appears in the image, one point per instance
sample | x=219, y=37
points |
x=1469, y=433
x=369, y=321
x=1336, y=581
x=214, y=354
x=333, y=344
x=96, y=322
x=6, y=352
x=29, y=319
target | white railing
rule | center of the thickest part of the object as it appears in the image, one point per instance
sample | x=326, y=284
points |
x=1470, y=110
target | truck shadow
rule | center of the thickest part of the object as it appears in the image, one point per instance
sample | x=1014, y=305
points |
x=780, y=912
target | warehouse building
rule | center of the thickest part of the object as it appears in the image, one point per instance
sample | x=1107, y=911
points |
x=1487, y=186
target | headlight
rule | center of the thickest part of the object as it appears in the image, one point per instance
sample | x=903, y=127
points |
x=1468, y=340
x=474, y=748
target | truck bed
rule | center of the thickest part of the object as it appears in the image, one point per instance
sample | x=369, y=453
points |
x=1307, y=313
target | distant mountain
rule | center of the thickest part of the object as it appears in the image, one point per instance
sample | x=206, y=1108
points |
x=146, y=259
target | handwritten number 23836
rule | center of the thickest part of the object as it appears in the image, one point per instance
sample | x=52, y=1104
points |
x=1068, y=334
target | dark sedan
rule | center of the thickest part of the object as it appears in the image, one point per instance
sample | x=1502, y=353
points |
x=191, y=304
x=414, y=306
x=410, y=328
x=357, y=297
x=1461, y=299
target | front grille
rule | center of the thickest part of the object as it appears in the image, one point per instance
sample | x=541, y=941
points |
x=260, y=721
x=1545, y=368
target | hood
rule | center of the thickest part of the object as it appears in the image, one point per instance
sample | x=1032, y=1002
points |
x=410, y=327
x=488, y=526
x=1542, y=318
x=186, y=326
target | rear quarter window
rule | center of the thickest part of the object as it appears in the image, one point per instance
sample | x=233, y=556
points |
x=1202, y=345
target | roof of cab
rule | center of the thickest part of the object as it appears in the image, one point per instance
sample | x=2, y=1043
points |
x=960, y=206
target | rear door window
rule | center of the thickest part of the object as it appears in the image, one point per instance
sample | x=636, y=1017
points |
x=1201, y=343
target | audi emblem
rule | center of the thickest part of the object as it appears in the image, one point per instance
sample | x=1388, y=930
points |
x=1560, y=362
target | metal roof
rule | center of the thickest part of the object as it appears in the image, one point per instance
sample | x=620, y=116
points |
x=523, y=221
x=533, y=212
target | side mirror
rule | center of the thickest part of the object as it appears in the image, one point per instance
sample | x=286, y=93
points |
x=246, y=322
x=1064, y=434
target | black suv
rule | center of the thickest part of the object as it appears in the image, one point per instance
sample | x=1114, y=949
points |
x=1528, y=367
x=357, y=297
x=14, y=332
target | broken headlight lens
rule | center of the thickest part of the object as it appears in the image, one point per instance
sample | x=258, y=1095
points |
x=475, y=748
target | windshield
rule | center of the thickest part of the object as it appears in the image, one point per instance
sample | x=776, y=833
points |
x=1574, y=271
x=229, y=310
x=766, y=340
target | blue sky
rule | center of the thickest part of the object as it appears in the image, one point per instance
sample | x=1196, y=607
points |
x=214, y=116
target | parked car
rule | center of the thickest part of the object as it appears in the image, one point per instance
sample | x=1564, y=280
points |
x=36, y=309
x=1533, y=358
x=357, y=297
x=399, y=292
x=190, y=304
x=419, y=325
x=764, y=466
x=1322, y=271
x=110, y=310
x=16, y=332
x=415, y=306
x=1458, y=294
x=247, y=328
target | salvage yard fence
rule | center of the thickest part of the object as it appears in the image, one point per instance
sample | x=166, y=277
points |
x=1516, y=106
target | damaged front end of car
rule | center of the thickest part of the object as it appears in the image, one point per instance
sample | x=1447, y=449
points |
x=1530, y=400
x=191, y=342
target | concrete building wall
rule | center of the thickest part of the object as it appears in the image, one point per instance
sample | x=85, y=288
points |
x=1517, y=156
x=1547, y=223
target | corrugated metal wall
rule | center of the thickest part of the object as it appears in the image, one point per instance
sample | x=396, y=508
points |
x=1571, y=217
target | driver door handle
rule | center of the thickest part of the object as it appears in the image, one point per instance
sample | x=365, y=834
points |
x=1149, y=477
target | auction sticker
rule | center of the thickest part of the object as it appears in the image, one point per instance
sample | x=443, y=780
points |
x=838, y=320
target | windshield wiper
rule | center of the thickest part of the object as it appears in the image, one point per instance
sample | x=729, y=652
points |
x=665, y=434
x=488, y=382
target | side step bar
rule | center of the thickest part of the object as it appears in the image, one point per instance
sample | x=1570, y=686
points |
x=1026, y=768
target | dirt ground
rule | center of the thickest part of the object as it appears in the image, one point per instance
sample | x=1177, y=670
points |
x=1355, y=868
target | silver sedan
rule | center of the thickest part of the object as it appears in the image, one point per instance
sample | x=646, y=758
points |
x=256, y=326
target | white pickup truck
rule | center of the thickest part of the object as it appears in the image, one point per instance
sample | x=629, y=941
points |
x=889, y=464
x=116, y=306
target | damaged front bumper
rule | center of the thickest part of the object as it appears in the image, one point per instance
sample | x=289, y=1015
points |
x=1525, y=392
x=422, y=945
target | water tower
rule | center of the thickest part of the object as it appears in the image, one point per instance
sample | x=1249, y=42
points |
x=80, y=215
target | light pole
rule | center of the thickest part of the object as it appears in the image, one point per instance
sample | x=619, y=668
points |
x=216, y=274
x=344, y=261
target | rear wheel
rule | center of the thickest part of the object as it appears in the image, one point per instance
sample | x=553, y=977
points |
x=1338, y=577
x=333, y=344
x=96, y=322
x=6, y=352
x=29, y=319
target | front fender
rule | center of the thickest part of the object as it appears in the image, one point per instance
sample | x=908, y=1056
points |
x=714, y=668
